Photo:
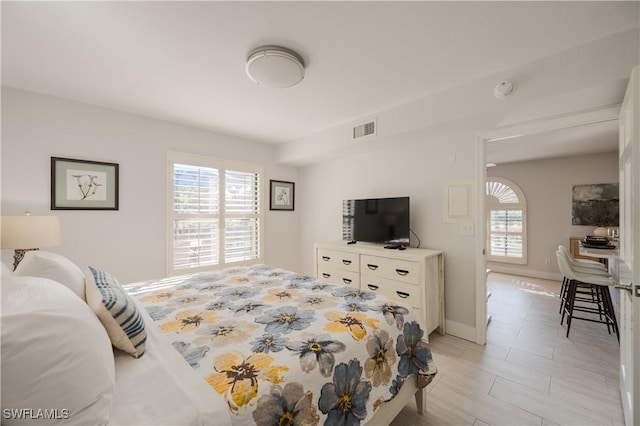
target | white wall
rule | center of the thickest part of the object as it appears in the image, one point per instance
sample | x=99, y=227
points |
x=547, y=185
x=419, y=166
x=130, y=242
x=424, y=144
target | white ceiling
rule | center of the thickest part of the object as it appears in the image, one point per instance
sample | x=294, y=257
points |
x=594, y=138
x=184, y=61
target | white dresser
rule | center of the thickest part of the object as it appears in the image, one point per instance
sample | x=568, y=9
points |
x=414, y=276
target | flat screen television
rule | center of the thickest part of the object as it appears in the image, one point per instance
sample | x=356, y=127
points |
x=376, y=220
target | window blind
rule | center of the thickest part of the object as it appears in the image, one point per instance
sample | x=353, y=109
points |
x=506, y=233
x=506, y=217
x=242, y=208
x=215, y=213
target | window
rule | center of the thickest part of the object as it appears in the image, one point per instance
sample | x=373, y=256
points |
x=506, y=222
x=214, y=213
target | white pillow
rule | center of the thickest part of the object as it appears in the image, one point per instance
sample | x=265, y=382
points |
x=54, y=266
x=55, y=355
x=117, y=312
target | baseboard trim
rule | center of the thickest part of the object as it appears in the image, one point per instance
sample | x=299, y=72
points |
x=545, y=275
x=468, y=332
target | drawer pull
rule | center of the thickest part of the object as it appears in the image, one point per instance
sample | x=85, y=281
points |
x=372, y=287
x=346, y=280
x=346, y=261
x=325, y=275
x=402, y=294
x=372, y=267
x=326, y=258
x=402, y=272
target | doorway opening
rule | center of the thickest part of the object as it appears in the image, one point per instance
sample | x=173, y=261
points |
x=507, y=141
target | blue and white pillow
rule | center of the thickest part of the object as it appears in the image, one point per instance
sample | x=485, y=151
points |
x=117, y=312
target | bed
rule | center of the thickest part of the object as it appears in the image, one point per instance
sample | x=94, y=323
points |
x=261, y=345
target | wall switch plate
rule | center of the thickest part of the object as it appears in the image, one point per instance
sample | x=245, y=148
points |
x=466, y=229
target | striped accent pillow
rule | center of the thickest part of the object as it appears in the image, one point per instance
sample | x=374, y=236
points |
x=117, y=312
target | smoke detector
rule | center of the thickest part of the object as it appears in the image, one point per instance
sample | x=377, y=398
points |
x=275, y=66
x=503, y=89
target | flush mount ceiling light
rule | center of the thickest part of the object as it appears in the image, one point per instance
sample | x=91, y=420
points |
x=275, y=66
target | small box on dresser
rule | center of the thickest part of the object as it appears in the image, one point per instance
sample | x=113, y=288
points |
x=414, y=276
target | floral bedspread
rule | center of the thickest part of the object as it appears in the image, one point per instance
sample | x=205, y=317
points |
x=284, y=348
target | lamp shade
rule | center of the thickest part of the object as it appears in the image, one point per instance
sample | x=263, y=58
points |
x=28, y=232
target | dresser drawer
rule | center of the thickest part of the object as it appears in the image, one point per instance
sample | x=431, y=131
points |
x=406, y=293
x=338, y=259
x=395, y=269
x=338, y=276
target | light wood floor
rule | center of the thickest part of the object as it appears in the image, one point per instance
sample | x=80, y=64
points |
x=529, y=373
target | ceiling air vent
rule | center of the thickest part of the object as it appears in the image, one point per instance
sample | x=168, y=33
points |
x=365, y=129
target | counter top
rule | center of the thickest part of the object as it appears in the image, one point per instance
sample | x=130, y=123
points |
x=601, y=253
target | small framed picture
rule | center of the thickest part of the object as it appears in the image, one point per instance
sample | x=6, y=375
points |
x=282, y=195
x=83, y=185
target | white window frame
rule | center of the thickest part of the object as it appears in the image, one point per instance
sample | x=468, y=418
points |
x=222, y=166
x=494, y=204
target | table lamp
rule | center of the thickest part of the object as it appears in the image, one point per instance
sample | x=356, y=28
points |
x=27, y=232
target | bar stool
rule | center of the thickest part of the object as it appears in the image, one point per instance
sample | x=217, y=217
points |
x=583, y=266
x=584, y=263
x=602, y=298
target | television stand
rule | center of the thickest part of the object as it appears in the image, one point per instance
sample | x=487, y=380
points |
x=414, y=276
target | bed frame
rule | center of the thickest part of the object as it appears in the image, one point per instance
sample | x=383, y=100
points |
x=390, y=410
